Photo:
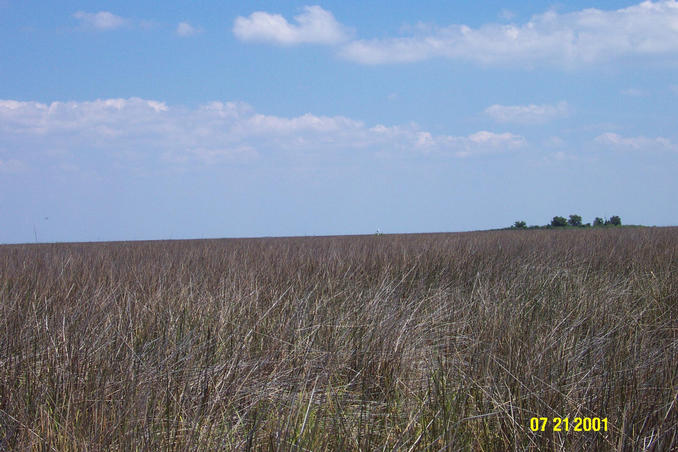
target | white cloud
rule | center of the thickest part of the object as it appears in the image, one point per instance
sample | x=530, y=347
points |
x=138, y=129
x=576, y=38
x=484, y=142
x=103, y=20
x=315, y=25
x=527, y=114
x=184, y=29
x=259, y=123
x=635, y=143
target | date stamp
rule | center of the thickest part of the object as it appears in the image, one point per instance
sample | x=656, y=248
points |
x=563, y=424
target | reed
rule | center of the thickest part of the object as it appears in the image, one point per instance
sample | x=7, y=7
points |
x=385, y=342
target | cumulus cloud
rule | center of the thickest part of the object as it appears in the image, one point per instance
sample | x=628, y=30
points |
x=527, y=114
x=214, y=132
x=184, y=29
x=580, y=37
x=635, y=143
x=411, y=138
x=314, y=26
x=103, y=20
x=483, y=142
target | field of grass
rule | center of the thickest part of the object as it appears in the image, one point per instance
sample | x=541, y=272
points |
x=392, y=342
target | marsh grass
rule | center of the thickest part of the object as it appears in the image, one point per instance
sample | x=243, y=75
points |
x=389, y=342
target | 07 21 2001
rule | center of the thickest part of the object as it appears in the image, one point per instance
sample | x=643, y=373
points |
x=563, y=424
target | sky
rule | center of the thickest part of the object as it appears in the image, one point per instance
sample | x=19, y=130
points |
x=135, y=120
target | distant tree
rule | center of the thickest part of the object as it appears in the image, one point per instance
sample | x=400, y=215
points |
x=558, y=222
x=615, y=221
x=587, y=225
x=575, y=220
x=598, y=222
x=519, y=225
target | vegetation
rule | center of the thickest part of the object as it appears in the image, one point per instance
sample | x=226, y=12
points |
x=397, y=342
x=614, y=221
x=574, y=221
x=558, y=222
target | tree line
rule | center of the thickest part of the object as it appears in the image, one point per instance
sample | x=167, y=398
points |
x=574, y=221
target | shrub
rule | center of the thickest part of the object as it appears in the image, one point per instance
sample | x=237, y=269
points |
x=558, y=222
x=575, y=220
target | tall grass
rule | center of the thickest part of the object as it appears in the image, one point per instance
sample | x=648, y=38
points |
x=390, y=342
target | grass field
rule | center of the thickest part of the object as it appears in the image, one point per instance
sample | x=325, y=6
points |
x=390, y=342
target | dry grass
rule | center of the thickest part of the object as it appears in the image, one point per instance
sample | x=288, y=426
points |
x=392, y=342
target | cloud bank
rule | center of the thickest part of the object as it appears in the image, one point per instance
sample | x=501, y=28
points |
x=581, y=37
x=640, y=143
x=184, y=29
x=314, y=26
x=571, y=39
x=527, y=114
x=215, y=132
x=103, y=20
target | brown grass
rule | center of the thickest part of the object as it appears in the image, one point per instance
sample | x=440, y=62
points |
x=393, y=342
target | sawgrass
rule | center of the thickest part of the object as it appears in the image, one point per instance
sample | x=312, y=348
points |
x=389, y=342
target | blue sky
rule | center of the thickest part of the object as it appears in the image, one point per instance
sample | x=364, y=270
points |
x=129, y=120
